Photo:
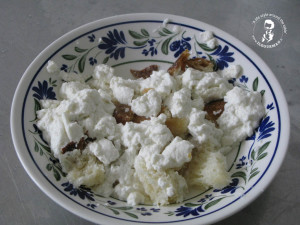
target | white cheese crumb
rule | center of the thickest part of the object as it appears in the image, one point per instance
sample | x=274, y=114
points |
x=207, y=37
x=147, y=105
x=105, y=127
x=242, y=112
x=174, y=155
x=145, y=133
x=170, y=191
x=212, y=43
x=101, y=77
x=173, y=192
x=123, y=90
x=123, y=94
x=165, y=22
x=162, y=82
x=69, y=90
x=232, y=71
x=52, y=67
x=135, y=198
x=179, y=103
x=204, y=131
x=104, y=150
x=73, y=130
x=209, y=86
x=161, y=182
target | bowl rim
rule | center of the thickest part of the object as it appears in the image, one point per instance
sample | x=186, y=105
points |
x=50, y=191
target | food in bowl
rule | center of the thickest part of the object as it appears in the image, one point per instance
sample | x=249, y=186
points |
x=151, y=139
x=252, y=165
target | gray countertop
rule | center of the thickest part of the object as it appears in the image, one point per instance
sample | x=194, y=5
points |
x=28, y=26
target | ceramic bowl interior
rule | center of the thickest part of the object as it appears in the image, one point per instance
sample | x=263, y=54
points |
x=136, y=41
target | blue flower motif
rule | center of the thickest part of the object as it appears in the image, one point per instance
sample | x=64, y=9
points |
x=111, y=202
x=145, y=52
x=92, y=38
x=64, y=67
x=93, y=206
x=270, y=106
x=111, y=44
x=155, y=210
x=151, y=42
x=206, y=197
x=92, y=61
x=146, y=213
x=43, y=92
x=209, y=196
x=83, y=192
x=243, y=79
x=223, y=56
x=232, y=187
x=152, y=51
x=265, y=128
x=252, y=137
x=142, y=209
x=180, y=45
x=242, y=162
x=186, y=211
x=202, y=200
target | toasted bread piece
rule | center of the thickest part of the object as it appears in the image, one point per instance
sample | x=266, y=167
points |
x=144, y=73
x=201, y=64
x=214, y=110
x=123, y=113
x=180, y=64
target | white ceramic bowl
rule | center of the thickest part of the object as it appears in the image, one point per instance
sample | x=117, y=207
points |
x=135, y=41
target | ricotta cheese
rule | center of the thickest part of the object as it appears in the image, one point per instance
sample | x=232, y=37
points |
x=180, y=103
x=101, y=77
x=173, y=156
x=70, y=89
x=123, y=90
x=203, y=131
x=161, y=81
x=172, y=192
x=242, y=113
x=104, y=150
x=209, y=86
x=232, y=71
x=145, y=133
x=147, y=105
x=52, y=67
x=207, y=37
x=145, y=161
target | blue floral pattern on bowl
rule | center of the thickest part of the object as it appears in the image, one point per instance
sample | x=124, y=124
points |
x=115, y=46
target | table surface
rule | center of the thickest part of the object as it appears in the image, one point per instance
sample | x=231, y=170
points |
x=27, y=27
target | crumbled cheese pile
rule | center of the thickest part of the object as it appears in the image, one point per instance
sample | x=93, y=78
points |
x=145, y=162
